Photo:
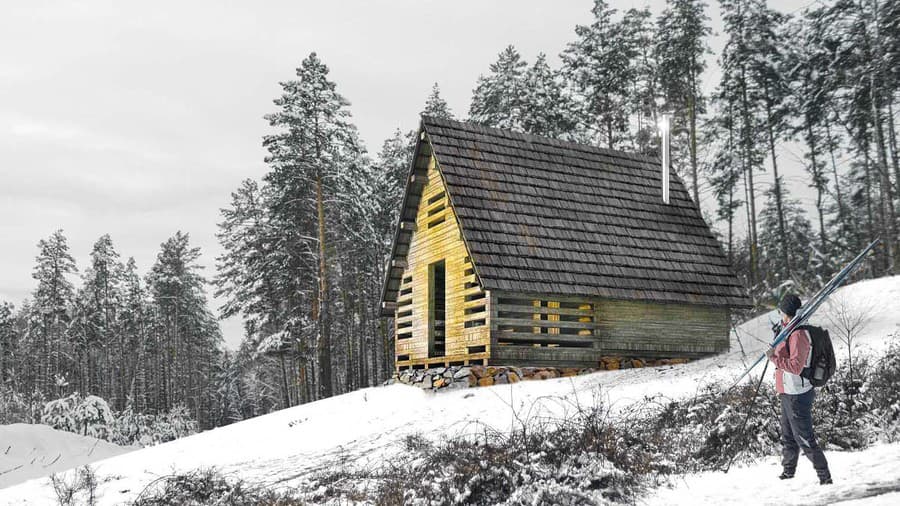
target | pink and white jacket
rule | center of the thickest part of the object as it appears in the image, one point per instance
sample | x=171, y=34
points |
x=791, y=356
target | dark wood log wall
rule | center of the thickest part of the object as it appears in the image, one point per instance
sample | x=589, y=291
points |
x=661, y=330
x=546, y=330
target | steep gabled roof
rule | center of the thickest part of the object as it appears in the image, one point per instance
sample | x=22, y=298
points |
x=545, y=216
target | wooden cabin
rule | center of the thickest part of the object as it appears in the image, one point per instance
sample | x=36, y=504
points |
x=514, y=249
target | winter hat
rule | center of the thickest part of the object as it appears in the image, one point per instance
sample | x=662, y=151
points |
x=789, y=304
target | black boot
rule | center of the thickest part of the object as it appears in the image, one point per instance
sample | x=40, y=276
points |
x=785, y=475
x=825, y=481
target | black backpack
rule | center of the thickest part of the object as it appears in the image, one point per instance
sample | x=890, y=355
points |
x=823, y=363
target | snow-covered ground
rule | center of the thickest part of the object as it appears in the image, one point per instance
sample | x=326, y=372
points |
x=282, y=448
x=31, y=450
x=870, y=477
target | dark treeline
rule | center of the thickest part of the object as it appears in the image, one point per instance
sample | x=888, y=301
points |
x=147, y=343
x=305, y=247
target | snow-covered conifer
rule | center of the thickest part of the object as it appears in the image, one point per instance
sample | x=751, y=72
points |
x=680, y=50
x=598, y=66
x=436, y=106
x=546, y=109
x=93, y=417
x=498, y=97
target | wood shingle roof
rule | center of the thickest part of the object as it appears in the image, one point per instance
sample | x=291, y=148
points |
x=545, y=216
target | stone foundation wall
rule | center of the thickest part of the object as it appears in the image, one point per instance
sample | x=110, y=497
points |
x=464, y=376
x=614, y=363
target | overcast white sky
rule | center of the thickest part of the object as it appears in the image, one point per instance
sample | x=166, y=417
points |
x=139, y=119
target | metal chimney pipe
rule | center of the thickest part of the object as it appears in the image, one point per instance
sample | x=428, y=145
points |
x=664, y=130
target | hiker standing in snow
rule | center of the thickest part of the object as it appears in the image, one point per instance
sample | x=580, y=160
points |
x=790, y=357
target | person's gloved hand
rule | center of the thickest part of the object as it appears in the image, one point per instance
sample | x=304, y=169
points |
x=770, y=352
x=776, y=328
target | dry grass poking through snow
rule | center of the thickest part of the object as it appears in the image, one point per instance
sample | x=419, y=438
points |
x=593, y=456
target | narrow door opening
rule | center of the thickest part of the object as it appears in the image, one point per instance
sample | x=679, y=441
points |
x=437, y=315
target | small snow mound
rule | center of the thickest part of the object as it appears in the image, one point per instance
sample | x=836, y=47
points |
x=33, y=450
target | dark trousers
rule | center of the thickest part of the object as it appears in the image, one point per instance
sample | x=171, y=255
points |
x=797, y=433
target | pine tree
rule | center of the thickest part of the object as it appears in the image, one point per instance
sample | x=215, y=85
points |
x=356, y=288
x=99, y=300
x=107, y=341
x=497, y=100
x=811, y=91
x=249, y=278
x=134, y=323
x=302, y=250
x=54, y=266
x=230, y=390
x=191, y=334
x=853, y=32
x=598, y=66
x=766, y=43
x=680, y=50
x=310, y=155
x=50, y=307
x=8, y=344
x=724, y=170
x=546, y=108
x=738, y=87
x=243, y=272
x=436, y=106
x=390, y=171
x=644, y=95
x=796, y=242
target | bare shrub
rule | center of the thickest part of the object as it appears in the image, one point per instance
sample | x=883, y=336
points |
x=587, y=455
x=848, y=319
x=203, y=487
x=77, y=487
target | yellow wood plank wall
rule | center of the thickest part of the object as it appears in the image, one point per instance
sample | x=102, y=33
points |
x=438, y=237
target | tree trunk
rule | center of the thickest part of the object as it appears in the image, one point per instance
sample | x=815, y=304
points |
x=892, y=142
x=887, y=203
x=324, y=338
x=850, y=373
x=817, y=180
x=303, y=379
x=692, y=118
x=842, y=215
x=868, y=186
x=779, y=205
x=285, y=386
x=752, y=280
x=731, y=183
x=747, y=149
x=609, y=134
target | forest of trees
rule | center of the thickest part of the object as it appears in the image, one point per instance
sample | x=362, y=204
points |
x=305, y=247
x=145, y=343
x=824, y=78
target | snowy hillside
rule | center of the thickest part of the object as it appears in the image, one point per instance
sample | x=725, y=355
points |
x=283, y=448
